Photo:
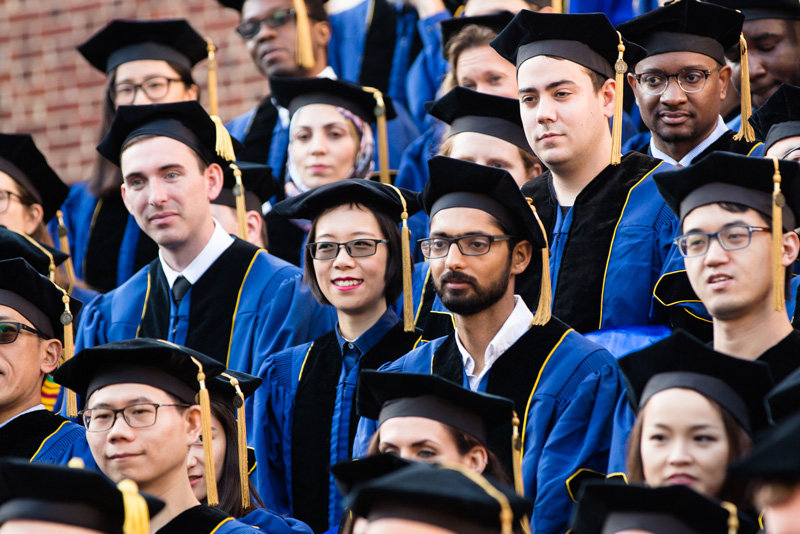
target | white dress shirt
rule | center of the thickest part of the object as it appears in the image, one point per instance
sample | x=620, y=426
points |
x=686, y=160
x=219, y=243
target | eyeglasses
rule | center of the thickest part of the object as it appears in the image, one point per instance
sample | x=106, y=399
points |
x=5, y=199
x=469, y=245
x=154, y=88
x=136, y=415
x=357, y=248
x=249, y=29
x=9, y=330
x=689, y=80
x=729, y=238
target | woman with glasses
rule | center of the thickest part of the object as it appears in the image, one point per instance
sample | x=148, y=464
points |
x=144, y=62
x=304, y=415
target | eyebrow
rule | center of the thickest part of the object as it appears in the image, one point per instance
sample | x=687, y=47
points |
x=737, y=222
x=137, y=400
x=464, y=234
x=163, y=168
x=357, y=233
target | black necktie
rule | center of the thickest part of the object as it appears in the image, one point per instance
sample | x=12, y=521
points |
x=179, y=289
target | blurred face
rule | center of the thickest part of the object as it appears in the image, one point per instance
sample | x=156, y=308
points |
x=154, y=457
x=196, y=463
x=485, y=71
x=788, y=148
x=158, y=79
x=323, y=145
x=676, y=117
x=354, y=286
x=392, y=525
x=490, y=151
x=474, y=8
x=782, y=518
x=562, y=114
x=684, y=442
x=772, y=55
x=25, y=526
x=17, y=216
x=166, y=192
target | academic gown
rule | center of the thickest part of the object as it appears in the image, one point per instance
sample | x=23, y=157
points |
x=202, y=519
x=565, y=390
x=305, y=418
x=272, y=523
x=45, y=437
x=726, y=143
x=429, y=68
x=608, y=250
x=106, y=245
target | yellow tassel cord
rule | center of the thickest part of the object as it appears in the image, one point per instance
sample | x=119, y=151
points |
x=733, y=517
x=238, y=194
x=778, y=272
x=69, y=348
x=405, y=238
x=543, y=312
x=224, y=145
x=241, y=435
x=305, y=51
x=516, y=454
x=506, y=515
x=383, y=136
x=137, y=516
x=208, y=452
x=558, y=6
x=63, y=242
x=51, y=268
x=746, y=131
x=620, y=68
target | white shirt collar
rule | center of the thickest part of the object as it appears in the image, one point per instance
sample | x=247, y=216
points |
x=686, y=160
x=283, y=113
x=219, y=243
x=29, y=410
x=514, y=328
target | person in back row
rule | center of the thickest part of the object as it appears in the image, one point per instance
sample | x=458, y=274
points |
x=777, y=123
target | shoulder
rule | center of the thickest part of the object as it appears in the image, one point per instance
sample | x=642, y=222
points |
x=417, y=360
x=272, y=523
x=279, y=368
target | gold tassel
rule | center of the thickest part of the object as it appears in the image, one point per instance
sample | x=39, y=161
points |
x=620, y=68
x=224, y=144
x=213, y=100
x=558, y=6
x=733, y=517
x=305, y=51
x=778, y=272
x=506, y=515
x=383, y=137
x=137, y=516
x=746, y=131
x=408, y=303
x=208, y=452
x=238, y=194
x=63, y=242
x=51, y=268
x=69, y=348
x=543, y=312
x=76, y=463
x=241, y=431
x=516, y=452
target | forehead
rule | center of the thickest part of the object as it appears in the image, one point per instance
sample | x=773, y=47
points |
x=455, y=221
x=466, y=144
x=318, y=115
x=144, y=68
x=675, y=61
x=10, y=314
x=478, y=59
x=681, y=402
x=540, y=71
x=779, y=149
x=753, y=29
x=347, y=218
x=122, y=394
x=259, y=8
x=156, y=151
x=711, y=217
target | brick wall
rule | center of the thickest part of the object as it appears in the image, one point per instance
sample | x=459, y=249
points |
x=49, y=90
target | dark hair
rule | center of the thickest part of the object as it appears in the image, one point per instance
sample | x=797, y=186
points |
x=739, y=445
x=468, y=37
x=394, y=265
x=230, y=492
x=106, y=178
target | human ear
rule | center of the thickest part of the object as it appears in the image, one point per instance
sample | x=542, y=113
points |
x=476, y=459
x=791, y=248
x=521, y=257
x=51, y=355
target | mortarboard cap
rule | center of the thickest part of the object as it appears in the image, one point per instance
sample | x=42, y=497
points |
x=454, y=183
x=681, y=361
x=494, y=21
x=26, y=165
x=606, y=509
x=41, y=257
x=73, y=496
x=351, y=473
x=121, y=41
x=779, y=117
x=686, y=26
x=186, y=122
x=774, y=456
x=784, y=399
x=466, y=110
x=763, y=9
x=449, y=496
x=247, y=186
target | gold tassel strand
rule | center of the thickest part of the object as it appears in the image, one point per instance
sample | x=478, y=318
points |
x=208, y=452
x=305, y=52
x=238, y=194
x=224, y=144
x=69, y=349
x=558, y=6
x=746, y=131
x=405, y=238
x=506, y=516
x=241, y=440
x=543, y=311
x=620, y=68
x=63, y=242
x=733, y=517
x=778, y=272
x=383, y=136
x=137, y=516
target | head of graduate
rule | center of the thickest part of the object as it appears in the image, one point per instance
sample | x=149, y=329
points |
x=145, y=402
x=569, y=72
x=682, y=82
x=353, y=259
x=777, y=124
x=171, y=168
x=483, y=233
x=145, y=62
x=737, y=234
x=284, y=37
x=697, y=411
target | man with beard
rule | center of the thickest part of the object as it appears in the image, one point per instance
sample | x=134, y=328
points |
x=565, y=388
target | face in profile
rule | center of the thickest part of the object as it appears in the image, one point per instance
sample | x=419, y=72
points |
x=196, y=459
x=16, y=213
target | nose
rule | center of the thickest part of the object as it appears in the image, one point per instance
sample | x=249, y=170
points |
x=679, y=453
x=455, y=259
x=140, y=98
x=673, y=93
x=120, y=429
x=545, y=110
x=755, y=65
x=343, y=260
x=158, y=193
x=265, y=33
x=318, y=144
x=715, y=253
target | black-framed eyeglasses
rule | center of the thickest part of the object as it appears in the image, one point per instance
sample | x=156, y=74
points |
x=689, y=80
x=140, y=415
x=249, y=29
x=469, y=245
x=357, y=248
x=5, y=199
x=729, y=238
x=155, y=88
x=9, y=330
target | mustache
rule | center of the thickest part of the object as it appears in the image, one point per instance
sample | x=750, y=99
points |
x=453, y=276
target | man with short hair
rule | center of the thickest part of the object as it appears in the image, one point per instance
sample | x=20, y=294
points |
x=564, y=388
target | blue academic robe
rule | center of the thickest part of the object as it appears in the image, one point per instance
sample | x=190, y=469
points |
x=303, y=415
x=272, y=523
x=45, y=437
x=565, y=390
x=429, y=68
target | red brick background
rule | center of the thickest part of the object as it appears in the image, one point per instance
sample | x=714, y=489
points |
x=49, y=90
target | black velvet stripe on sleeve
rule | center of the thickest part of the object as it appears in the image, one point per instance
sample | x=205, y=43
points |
x=258, y=139
x=376, y=65
x=105, y=239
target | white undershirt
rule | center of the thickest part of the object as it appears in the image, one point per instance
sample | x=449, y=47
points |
x=219, y=243
x=29, y=410
x=514, y=328
x=686, y=160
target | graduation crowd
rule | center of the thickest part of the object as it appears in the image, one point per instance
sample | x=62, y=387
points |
x=482, y=267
